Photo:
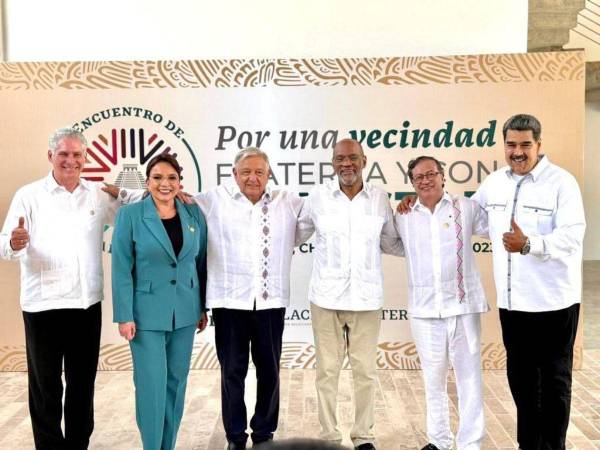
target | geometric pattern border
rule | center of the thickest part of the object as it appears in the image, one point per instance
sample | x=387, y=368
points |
x=295, y=355
x=224, y=73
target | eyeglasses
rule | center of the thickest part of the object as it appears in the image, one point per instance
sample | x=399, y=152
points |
x=426, y=176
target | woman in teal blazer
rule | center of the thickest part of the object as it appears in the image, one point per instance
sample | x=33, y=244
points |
x=158, y=286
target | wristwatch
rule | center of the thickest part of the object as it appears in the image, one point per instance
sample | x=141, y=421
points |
x=526, y=247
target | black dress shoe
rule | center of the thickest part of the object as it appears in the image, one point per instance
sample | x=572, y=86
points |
x=367, y=446
x=236, y=446
x=430, y=447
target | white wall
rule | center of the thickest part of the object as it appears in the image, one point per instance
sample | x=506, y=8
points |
x=50, y=30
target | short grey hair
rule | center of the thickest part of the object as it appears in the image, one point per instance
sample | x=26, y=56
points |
x=249, y=152
x=62, y=133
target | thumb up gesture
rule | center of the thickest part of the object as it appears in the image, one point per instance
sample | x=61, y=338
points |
x=19, y=237
x=514, y=240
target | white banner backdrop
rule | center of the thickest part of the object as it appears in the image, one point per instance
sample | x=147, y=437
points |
x=205, y=111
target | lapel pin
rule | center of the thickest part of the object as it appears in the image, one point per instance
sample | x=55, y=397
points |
x=192, y=229
x=446, y=225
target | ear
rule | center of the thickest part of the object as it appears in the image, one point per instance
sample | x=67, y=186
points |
x=50, y=155
x=234, y=171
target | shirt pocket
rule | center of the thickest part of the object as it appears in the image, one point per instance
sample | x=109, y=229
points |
x=369, y=244
x=58, y=283
x=498, y=216
x=536, y=218
x=496, y=207
x=94, y=217
x=332, y=282
x=329, y=223
x=371, y=225
x=371, y=285
x=331, y=237
x=143, y=286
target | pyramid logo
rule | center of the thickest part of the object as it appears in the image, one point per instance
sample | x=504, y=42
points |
x=118, y=154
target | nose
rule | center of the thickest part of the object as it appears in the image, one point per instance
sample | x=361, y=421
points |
x=71, y=160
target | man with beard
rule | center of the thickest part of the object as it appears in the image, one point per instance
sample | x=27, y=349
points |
x=353, y=222
x=536, y=224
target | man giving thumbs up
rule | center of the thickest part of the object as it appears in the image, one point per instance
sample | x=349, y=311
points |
x=19, y=236
x=536, y=224
x=54, y=229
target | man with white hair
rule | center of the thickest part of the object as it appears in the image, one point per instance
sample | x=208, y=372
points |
x=251, y=238
x=54, y=228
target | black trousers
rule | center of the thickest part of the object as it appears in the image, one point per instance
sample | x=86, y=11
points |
x=539, y=363
x=235, y=332
x=54, y=337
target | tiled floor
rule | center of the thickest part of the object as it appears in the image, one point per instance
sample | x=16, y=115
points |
x=400, y=419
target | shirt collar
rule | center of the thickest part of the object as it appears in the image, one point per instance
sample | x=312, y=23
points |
x=52, y=185
x=334, y=187
x=236, y=193
x=543, y=162
x=445, y=198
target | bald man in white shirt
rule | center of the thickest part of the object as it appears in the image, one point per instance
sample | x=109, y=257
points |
x=353, y=221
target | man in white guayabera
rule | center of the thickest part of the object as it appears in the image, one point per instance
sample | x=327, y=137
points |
x=445, y=302
x=353, y=222
x=54, y=229
x=251, y=238
x=537, y=223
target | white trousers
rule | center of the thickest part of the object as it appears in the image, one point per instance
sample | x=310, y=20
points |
x=439, y=342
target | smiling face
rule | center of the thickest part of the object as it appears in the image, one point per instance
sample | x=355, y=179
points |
x=67, y=161
x=163, y=182
x=348, y=163
x=428, y=181
x=521, y=151
x=251, y=175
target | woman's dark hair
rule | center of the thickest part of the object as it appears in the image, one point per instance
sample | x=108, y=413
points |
x=166, y=158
